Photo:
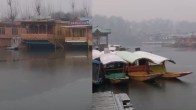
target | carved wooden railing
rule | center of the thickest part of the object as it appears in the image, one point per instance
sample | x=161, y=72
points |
x=36, y=36
x=84, y=39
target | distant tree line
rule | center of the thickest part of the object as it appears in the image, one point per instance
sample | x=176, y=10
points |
x=41, y=9
x=133, y=33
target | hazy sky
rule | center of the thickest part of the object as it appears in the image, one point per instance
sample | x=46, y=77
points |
x=137, y=10
x=57, y=5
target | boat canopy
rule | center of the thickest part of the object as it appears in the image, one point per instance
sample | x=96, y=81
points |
x=155, y=58
x=110, y=58
x=96, y=54
x=130, y=57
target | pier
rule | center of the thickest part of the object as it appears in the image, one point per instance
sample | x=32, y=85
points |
x=110, y=101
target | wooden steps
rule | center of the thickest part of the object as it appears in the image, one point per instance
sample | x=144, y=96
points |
x=110, y=101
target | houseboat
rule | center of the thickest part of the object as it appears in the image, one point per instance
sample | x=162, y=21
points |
x=77, y=35
x=8, y=32
x=42, y=33
x=55, y=33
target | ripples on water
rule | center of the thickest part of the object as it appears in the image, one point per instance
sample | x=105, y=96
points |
x=45, y=80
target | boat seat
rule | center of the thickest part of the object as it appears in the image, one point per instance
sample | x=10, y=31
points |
x=136, y=68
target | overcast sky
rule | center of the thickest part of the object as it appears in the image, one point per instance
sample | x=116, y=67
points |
x=57, y=5
x=137, y=10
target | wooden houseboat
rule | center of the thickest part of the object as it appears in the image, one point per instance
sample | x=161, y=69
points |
x=42, y=33
x=9, y=34
x=77, y=35
x=54, y=33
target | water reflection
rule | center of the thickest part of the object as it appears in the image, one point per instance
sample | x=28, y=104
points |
x=36, y=78
x=159, y=93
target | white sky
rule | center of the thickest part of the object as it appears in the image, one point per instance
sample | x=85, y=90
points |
x=137, y=10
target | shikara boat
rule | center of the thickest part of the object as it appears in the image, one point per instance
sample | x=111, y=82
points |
x=113, y=67
x=138, y=68
x=13, y=48
x=158, y=65
x=97, y=74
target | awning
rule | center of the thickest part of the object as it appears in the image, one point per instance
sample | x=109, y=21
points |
x=155, y=58
x=130, y=57
x=110, y=58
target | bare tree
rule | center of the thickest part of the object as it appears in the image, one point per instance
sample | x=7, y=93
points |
x=38, y=5
x=73, y=6
x=26, y=13
x=47, y=10
x=86, y=9
x=13, y=12
x=50, y=9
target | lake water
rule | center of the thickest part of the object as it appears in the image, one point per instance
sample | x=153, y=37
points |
x=179, y=94
x=45, y=80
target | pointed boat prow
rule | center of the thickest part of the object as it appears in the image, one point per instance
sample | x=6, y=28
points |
x=175, y=74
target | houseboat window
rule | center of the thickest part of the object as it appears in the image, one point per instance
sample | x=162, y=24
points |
x=50, y=29
x=14, y=31
x=82, y=33
x=2, y=30
x=42, y=29
x=67, y=33
x=59, y=32
x=78, y=33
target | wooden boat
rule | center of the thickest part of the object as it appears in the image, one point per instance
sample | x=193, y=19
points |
x=162, y=69
x=158, y=65
x=97, y=76
x=138, y=68
x=142, y=73
x=113, y=67
x=13, y=48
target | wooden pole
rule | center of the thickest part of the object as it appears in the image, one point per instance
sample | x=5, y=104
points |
x=46, y=28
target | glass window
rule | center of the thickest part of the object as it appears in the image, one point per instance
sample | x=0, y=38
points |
x=78, y=32
x=14, y=31
x=2, y=30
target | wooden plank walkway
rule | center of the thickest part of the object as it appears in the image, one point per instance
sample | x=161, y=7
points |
x=110, y=101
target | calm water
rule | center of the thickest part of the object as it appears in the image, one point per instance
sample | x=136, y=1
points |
x=179, y=94
x=45, y=80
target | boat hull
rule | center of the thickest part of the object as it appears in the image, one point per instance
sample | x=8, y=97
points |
x=119, y=80
x=162, y=69
x=143, y=76
x=12, y=48
x=169, y=75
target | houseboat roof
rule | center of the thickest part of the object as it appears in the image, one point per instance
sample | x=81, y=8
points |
x=8, y=24
x=130, y=57
x=155, y=58
x=44, y=21
x=110, y=58
x=100, y=30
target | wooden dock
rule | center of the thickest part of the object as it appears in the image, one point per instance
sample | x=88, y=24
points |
x=111, y=101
